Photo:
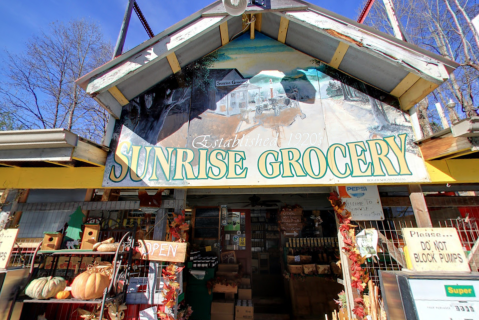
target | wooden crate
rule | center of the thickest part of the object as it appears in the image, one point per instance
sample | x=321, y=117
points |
x=309, y=268
x=295, y=269
x=323, y=268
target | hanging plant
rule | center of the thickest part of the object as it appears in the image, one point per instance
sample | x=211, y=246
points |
x=359, y=277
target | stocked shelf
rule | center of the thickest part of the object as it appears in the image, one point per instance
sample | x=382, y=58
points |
x=77, y=252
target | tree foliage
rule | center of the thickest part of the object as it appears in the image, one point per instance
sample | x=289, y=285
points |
x=442, y=27
x=39, y=89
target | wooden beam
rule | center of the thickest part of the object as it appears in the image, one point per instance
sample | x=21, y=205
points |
x=453, y=170
x=52, y=178
x=416, y=93
x=67, y=164
x=445, y=145
x=84, y=205
x=375, y=45
x=9, y=165
x=339, y=55
x=37, y=154
x=259, y=21
x=432, y=202
x=116, y=93
x=21, y=198
x=419, y=206
x=405, y=84
x=225, y=38
x=283, y=29
x=251, y=26
x=173, y=61
x=89, y=153
x=155, y=52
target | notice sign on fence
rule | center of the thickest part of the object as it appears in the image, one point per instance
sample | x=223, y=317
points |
x=434, y=249
x=362, y=201
x=7, y=240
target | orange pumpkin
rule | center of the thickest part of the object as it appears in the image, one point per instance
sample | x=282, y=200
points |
x=63, y=295
x=89, y=285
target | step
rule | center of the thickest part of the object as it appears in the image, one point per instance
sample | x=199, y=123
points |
x=271, y=316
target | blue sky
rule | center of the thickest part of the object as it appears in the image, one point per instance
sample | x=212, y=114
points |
x=21, y=19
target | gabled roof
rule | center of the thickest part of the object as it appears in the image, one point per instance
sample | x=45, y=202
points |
x=401, y=69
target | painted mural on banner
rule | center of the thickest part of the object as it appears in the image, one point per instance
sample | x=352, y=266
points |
x=257, y=112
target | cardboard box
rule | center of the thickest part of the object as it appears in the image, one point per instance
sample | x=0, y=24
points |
x=309, y=268
x=220, y=316
x=223, y=307
x=224, y=267
x=227, y=275
x=245, y=294
x=246, y=281
x=244, y=313
x=295, y=269
x=224, y=289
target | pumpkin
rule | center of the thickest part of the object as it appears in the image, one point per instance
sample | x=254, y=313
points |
x=45, y=288
x=90, y=284
x=63, y=295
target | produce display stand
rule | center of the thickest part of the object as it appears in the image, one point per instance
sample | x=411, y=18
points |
x=126, y=239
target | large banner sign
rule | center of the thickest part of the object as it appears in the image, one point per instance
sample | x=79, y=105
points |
x=257, y=112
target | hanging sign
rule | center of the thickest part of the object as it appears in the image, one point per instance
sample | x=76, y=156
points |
x=162, y=251
x=7, y=240
x=434, y=249
x=362, y=201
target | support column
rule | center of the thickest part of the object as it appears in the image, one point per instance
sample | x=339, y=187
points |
x=12, y=199
x=419, y=206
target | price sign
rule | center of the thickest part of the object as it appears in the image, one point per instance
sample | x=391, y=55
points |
x=7, y=240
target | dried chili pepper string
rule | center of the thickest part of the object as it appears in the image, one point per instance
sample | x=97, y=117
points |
x=359, y=277
x=178, y=229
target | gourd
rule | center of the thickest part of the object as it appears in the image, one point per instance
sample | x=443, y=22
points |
x=63, y=295
x=45, y=288
x=91, y=283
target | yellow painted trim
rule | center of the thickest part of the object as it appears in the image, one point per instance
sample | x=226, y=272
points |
x=453, y=170
x=416, y=93
x=283, y=29
x=51, y=178
x=440, y=171
x=116, y=93
x=405, y=84
x=173, y=61
x=224, y=33
x=339, y=55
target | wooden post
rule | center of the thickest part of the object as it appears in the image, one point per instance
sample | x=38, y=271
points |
x=415, y=123
x=393, y=19
x=21, y=197
x=418, y=203
x=251, y=27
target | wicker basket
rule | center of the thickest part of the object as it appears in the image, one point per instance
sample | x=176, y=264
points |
x=309, y=268
x=295, y=269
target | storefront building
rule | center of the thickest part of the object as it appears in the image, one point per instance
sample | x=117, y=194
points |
x=246, y=125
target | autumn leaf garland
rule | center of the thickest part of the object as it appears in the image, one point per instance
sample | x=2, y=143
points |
x=178, y=228
x=359, y=277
